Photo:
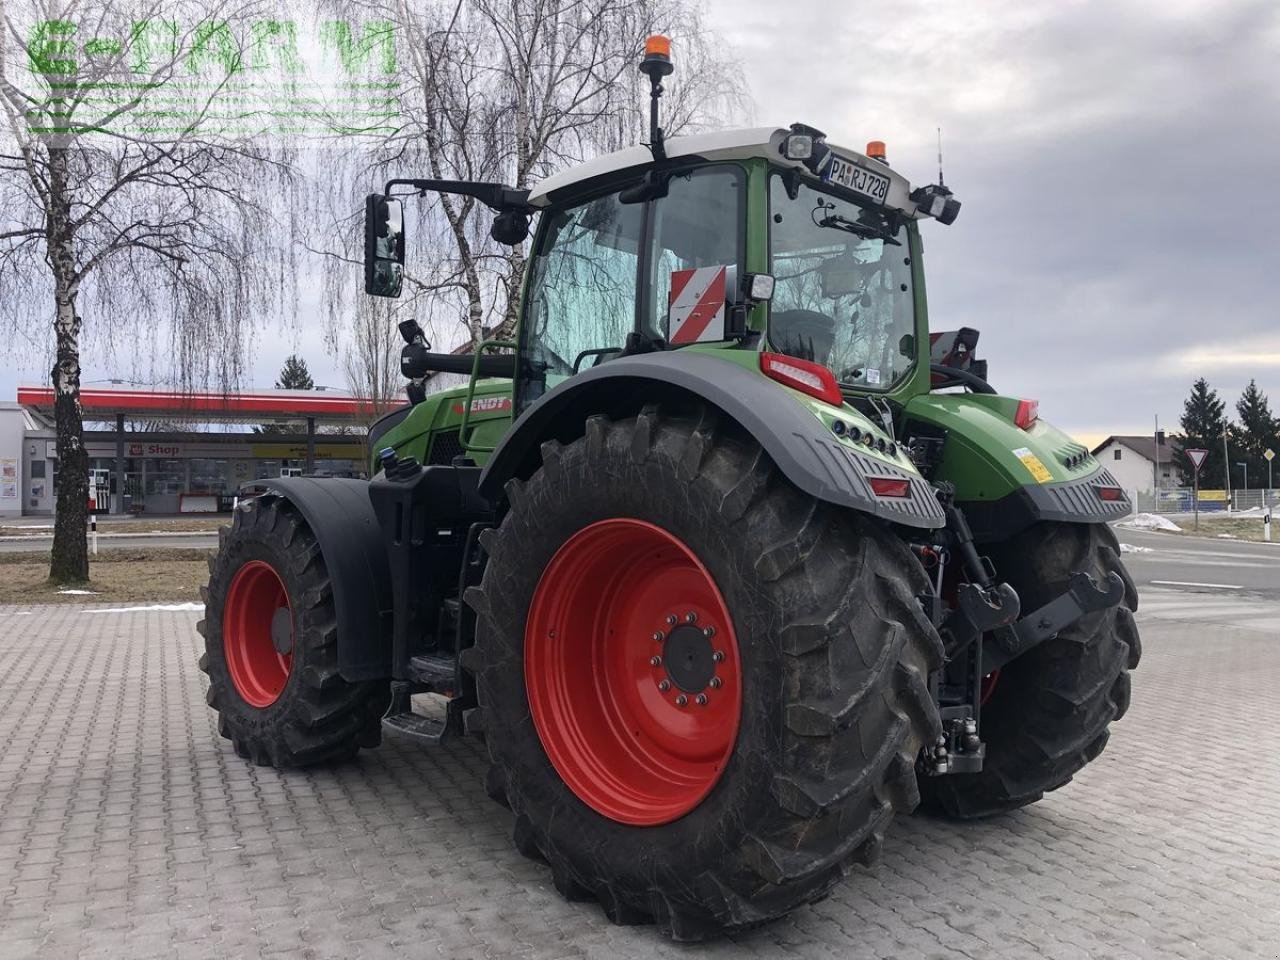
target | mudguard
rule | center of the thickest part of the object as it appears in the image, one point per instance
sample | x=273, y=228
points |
x=341, y=516
x=807, y=452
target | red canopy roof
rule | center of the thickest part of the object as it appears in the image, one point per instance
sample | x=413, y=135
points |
x=107, y=401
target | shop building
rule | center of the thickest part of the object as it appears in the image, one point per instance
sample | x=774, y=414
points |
x=166, y=452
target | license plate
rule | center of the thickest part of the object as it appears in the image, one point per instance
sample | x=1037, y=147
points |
x=858, y=179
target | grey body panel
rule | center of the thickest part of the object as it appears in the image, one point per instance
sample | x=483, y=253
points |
x=797, y=441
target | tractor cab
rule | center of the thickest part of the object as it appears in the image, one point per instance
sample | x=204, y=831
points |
x=768, y=240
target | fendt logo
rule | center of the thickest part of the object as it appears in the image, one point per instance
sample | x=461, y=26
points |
x=485, y=405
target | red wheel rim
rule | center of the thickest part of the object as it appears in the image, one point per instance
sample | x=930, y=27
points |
x=255, y=601
x=632, y=672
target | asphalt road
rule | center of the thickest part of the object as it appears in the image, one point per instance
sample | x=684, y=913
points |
x=1202, y=565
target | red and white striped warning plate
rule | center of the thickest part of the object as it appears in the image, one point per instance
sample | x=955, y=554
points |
x=696, y=306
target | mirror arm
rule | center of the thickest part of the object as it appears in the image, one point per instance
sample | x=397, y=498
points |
x=495, y=196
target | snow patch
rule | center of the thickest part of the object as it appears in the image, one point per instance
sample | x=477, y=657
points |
x=1227, y=536
x=1134, y=548
x=80, y=593
x=1258, y=512
x=182, y=607
x=1149, y=521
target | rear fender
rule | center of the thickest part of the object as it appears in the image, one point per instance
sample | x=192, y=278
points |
x=341, y=516
x=792, y=433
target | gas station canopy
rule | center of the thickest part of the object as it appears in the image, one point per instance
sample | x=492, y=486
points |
x=108, y=402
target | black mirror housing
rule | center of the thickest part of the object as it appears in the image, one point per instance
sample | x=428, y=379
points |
x=510, y=227
x=383, y=245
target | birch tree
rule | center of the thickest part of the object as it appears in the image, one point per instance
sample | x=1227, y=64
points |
x=129, y=201
x=509, y=90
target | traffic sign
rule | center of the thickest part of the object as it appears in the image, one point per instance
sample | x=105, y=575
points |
x=1268, y=454
x=1197, y=458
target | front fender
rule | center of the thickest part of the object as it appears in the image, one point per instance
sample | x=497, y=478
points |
x=341, y=516
x=792, y=433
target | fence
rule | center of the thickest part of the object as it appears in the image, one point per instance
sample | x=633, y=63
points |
x=1179, y=500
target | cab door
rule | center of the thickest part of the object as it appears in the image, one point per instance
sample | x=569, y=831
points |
x=604, y=274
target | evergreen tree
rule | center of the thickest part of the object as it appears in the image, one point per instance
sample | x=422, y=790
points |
x=1257, y=431
x=294, y=375
x=1202, y=426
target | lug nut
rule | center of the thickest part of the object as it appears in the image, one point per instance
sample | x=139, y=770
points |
x=691, y=617
x=671, y=620
x=708, y=632
x=655, y=661
x=658, y=636
x=716, y=683
x=702, y=699
x=718, y=656
x=681, y=700
x=664, y=685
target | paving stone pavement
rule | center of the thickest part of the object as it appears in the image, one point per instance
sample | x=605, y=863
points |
x=128, y=828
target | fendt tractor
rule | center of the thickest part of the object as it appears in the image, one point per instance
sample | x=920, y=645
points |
x=725, y=556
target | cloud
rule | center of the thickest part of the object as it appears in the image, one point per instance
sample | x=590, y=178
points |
x=1114, y=159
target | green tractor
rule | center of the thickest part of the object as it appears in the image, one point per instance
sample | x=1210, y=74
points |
x=727, y=558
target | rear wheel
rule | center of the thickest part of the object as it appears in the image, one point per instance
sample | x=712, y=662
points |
x=271, y=648
x=703, y=692
x=1047, y=713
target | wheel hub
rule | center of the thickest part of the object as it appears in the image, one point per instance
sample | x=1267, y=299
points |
x=689, y=659
x=282, y=631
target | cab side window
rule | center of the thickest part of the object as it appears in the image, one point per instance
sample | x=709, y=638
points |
x=582, y=290
x=699, y=223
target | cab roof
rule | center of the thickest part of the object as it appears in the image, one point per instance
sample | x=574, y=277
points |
x=736, y=144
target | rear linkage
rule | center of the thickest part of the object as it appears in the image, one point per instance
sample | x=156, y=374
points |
x=981, y=632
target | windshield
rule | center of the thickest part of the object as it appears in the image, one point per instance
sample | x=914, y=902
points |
x=842, y=295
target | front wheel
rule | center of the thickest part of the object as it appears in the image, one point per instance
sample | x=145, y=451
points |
x=1047, y=714
x=703, y=692
x=271, y=645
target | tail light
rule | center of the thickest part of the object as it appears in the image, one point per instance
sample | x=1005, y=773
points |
x=890, y=486
x=1027, y=414
x=803, y=375
x=1110, y=494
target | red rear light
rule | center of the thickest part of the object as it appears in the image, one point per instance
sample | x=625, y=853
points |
x=890, y=486
x=1110, y=494
x=803, y=375
x=1028, y=413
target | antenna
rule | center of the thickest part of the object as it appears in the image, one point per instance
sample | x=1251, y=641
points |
x=941, y=182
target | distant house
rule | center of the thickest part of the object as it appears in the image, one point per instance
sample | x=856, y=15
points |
x=1132, y=461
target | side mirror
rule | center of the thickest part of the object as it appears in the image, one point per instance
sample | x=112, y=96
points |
x=383, y=246
x=510, y=227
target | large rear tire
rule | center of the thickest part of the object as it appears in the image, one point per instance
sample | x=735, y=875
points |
x=1048, y=712
x=271, y=646
x=802, y=753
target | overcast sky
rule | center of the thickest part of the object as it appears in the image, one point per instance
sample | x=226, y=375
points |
x=1118, y=164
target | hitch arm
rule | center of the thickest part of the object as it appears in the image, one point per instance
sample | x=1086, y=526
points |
x=1083, y=595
